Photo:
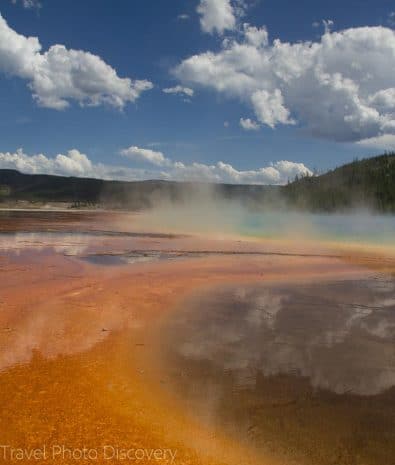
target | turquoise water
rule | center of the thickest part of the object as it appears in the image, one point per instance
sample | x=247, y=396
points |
x=375, y=229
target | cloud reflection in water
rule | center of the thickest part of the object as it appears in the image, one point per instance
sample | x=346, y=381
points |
x=339, y=335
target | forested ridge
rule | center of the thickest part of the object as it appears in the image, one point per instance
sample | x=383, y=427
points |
x=367, y=183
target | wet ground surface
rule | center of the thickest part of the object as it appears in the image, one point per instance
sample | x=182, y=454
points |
x=226, y=350
x=303, y=371
x=101, y=247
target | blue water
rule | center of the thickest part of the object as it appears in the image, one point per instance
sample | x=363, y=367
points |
x=375, y=229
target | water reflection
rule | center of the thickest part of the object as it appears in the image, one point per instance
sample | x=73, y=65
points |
x=61, y=243
x=62, y=323
x=303, y=372
x=95, y=248
x=339, y=335
x=132, y=257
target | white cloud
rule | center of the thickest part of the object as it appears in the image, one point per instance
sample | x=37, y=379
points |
x=60, y=75
x=276, y=173
x=179, y=90
x=216, y=16
x=248, y=124
x=29, y=4
x=145, y=155
x=75, y=163
x=383, y=100
x=258, y=37
x=183, y=17
x=384, y=142
x=391, y=18
x=339, y=87
x=328, y=23
x=269, y=107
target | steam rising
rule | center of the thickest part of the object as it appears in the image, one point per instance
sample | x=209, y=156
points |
x=208, y=209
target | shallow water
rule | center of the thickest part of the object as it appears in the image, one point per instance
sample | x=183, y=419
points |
x=304, y=371
x=357, y=227
x=213, y=217
x=95, y=247
x=131, y=258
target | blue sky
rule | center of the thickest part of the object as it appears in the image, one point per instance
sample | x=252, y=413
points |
x=246, y=113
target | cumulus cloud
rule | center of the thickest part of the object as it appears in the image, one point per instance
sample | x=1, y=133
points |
x=29, y=4
x=276, y=173
x=179, y=90
x=75, y=163
x=248, y=124
x=269, y=107
x=216, y=16
x=339, y=87
x=256, y=36
x=145, y=155
x=384, y=142
x=60, y=75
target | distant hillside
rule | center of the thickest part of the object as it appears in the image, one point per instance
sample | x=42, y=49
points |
x=134, y=195
x=362, y=183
